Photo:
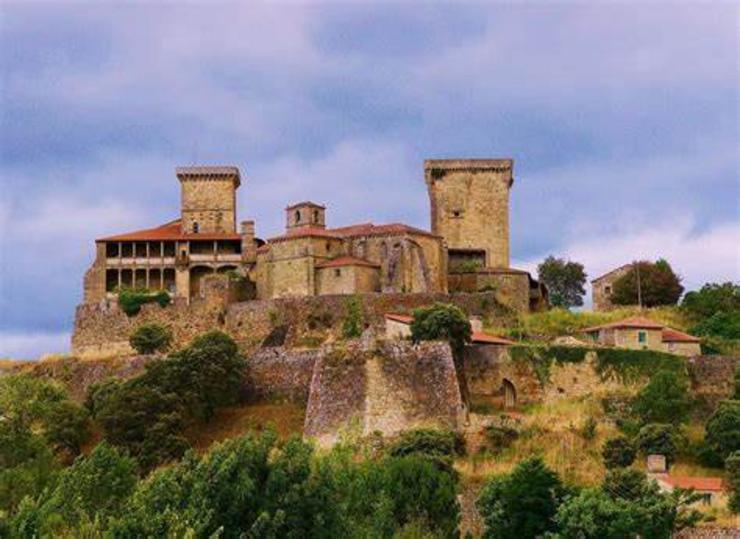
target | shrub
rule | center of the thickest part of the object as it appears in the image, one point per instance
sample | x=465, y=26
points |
x=723, y=428
x=131, y=300
x=354, y=319
x=441, y=321
x=720, y=324
x=712, y=298
x=588, y=431
x=665, y=399
x=732, y=465
x=427, y=442
x=631, y=365
x=657, y=439
x=500, y=436
x=150, y=338
x=522, y=503
x=625, y=483
x=564, y=281
x=618, y=452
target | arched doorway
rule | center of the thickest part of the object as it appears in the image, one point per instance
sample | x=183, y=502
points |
x=509, y=394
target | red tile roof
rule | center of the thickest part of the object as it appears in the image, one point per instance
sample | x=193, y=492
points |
x=304, y=232
x=352, y=231
x=403, y=318
x=673, y=335
x=484, y=338
x=169, y=232
x=346, y=261
x=714, y=484
x=636, y=322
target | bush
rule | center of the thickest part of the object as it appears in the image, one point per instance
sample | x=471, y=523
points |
x=665, y=399
x=501, y=436
x=625, y=483
x=354, y=319
x=618, y=452
x=522, y=503
x=150, y=338
x=442, y=321
x=712, y=298
x=588, y=431
x=131, y=300
x=720, y=324
x=146, y=415
x=437, y=444
x=732, y=465
x=723, y=428
x=657, y=439
x=659, y=285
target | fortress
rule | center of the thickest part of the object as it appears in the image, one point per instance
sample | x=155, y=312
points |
x=467, y=249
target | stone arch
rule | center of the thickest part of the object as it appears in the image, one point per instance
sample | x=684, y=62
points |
x=225, y=268
x=509, y=391
x=196, y=275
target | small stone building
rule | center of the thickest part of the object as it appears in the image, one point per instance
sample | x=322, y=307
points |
x=602, y=287
x=639, y=333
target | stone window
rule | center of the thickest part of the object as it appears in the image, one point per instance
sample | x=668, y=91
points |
x=316, y=216
x=607, y=289
x=457, y=213
x=195, y=227
x=642, y=337
x=328, y=246
x=297, y=216
x=337, y=272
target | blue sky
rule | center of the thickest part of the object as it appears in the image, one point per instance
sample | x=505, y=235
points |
x=623, y=120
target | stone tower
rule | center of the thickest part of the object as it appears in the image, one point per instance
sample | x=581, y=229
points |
x=470, y=209
x=208, y=200
x=305, y=215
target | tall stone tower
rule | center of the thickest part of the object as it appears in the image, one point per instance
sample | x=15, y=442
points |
x=208, y=199
x=470, y=209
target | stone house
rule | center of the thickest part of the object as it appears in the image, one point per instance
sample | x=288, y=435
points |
x=467, y=249
x=639, y=333
x=398, y=327
x=602, y=286
x=712, y=490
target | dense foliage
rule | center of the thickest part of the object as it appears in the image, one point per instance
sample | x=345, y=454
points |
x=150, y=338
x=522, y=503
x=565, y=281
x=659, y=285
x=38, y=423
x=626, y=505
x=130, y=300
x=441, y=321
x=618, y=452
x=723, y=429
x=732, y=465
x=354, y=318
x=711, y=299
x=665, y=399
x=147, y=414
x=658, y=439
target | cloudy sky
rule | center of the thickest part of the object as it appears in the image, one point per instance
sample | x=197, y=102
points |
x=623, y=120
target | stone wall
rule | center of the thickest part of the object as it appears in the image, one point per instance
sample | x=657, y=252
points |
x=102, y=329
x=712, y=378
x=386, y=387
x=280, y=373
x=511, y=286
x=210, y=202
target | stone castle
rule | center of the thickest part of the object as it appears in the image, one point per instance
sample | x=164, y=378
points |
x=467, y=249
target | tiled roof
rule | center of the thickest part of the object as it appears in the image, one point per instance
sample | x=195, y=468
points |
x=403, y=318
x=636, y=322
x=620, y=268
x=169, y=232
x=714, y=484
x=484, y=338
x=673, y=335
x=477, y=337
x=346, y=261
x=352, y=231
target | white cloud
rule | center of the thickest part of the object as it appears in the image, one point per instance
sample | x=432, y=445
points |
x=32, y=345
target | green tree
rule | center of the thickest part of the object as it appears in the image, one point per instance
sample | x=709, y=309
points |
x=441, y=321
x=618, y=452
x=150, y=338
x=657, y=439
x=659, y=285
x=720, y=324
x=723, y=428
x=565, y=281
x=712, y=298
x=522, y=503
x=354, y=319
x=664, y=399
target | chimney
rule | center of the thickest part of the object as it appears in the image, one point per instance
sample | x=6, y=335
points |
x=249, y=245
x=656, y=465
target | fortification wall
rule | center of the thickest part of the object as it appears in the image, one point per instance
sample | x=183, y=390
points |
x=103, y=330
x=386, y=387
x=712, y=378
x=280, y=373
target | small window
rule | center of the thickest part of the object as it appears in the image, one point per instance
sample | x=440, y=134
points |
x=642, y=337
x=316, y=216
x=328, y=246
x=456, y=213
x=607, y=289
x=337, y=272
x=195, y=227
x=297, y=216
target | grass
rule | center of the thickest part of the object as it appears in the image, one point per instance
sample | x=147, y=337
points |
x=285, y=419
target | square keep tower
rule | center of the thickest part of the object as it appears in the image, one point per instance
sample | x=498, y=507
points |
x=208, y=199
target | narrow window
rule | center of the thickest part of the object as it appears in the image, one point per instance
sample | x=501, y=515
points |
x=607, y=289
x=641, y=337
x=337, y=273
x=195, y=227
x=297, y=216
x=316, y=216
